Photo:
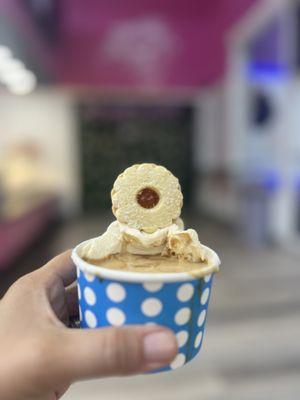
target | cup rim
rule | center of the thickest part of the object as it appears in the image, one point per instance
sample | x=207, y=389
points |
x=141, y=277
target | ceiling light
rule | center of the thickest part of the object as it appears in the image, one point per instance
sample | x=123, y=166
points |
x=21, y=90
x=23, y=85
x=12, y=70
x=14, y=74
x=5, y=53
x=8, y=64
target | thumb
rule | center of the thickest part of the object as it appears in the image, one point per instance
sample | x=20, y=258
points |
x=116, y=351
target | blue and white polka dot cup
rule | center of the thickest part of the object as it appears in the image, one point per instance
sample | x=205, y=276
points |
x=176, y=300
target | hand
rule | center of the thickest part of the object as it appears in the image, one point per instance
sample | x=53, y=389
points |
x=41, y=356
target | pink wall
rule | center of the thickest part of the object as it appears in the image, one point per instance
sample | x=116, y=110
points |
x=145, y=43
x=139, y=43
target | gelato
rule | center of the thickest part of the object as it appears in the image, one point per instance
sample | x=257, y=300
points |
x=148, y=235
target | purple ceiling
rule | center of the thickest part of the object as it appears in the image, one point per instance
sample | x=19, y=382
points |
x=142, y=43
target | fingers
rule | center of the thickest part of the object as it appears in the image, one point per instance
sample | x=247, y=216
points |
x=60, y=392
x=57, y=273
x=115, y=351
x=72, y=300
x=63, y=267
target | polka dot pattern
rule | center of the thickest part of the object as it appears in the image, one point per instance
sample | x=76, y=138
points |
x=198, y=339
x=205, y=296
x=182, y=316
x=185, y=292
x=115, y=292
x=181, y=306
x=182, y=338
x=153, y=286
x=201, y=318
x=178, y=361
x=89, y=296
x=151, y=307
x=115, y=316
x=90, y=319
x=89, y=277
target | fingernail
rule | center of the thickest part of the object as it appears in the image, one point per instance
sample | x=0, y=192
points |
x=159, y=346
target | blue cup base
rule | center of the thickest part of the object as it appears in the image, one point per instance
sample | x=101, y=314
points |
x=180, y=306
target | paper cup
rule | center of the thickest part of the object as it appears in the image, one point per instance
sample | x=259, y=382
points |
x=175, y=300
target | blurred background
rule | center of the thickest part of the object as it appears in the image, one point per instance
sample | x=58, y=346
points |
x=211, y=91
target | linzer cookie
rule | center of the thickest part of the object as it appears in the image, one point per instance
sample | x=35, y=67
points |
x=146, y=197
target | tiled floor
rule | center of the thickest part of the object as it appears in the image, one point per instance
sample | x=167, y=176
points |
x=251, y=349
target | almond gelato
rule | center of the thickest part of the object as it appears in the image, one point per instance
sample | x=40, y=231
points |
x=148, y=235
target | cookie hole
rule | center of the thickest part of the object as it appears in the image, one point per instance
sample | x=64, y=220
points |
x=147, y=198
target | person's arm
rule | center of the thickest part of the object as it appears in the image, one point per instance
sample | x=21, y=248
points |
x=40, y=356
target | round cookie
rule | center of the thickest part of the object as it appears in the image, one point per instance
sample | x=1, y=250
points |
x=146, y=197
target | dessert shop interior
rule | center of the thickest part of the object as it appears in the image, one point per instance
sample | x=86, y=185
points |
x=210, y=90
